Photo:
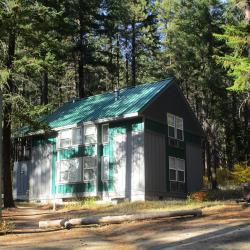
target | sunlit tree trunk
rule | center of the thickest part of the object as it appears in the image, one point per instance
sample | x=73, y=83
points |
x=7, y=166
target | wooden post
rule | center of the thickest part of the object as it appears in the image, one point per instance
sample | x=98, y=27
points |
x=1, y=154
x=54, y=200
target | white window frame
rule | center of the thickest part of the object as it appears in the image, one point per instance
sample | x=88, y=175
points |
x=59, y=171
x=102, y=169
x=175, y=126
x=89, y=168
x=84, y=134
x=103, y=125
x=71, y=144
x=177, y=168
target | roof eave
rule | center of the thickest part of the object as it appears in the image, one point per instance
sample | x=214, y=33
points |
x=102, y=120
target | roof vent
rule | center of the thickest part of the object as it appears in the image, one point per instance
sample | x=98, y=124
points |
x=117, y=93
x=75, y=100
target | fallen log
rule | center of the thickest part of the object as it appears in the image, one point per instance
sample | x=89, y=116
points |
x=117, y=218
x=52, y=223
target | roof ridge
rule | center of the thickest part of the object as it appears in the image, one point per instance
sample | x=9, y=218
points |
x=127, y=87
x=104, y=106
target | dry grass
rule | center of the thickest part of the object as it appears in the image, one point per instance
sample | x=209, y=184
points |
x=91, y=208
x=6, y=226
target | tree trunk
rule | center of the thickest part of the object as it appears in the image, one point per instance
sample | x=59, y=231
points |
x=208, y=160
x=247, y=133
x=229, y=146
x=111, y=64
x=68, y=223
x=7, y=149
x=45, y=91
x=1, y=151
x=126, y=61
x=248, y=10
x=7, y=166
x=81, y=62
x=247, y=108
x=133, y=64
x=118, y=60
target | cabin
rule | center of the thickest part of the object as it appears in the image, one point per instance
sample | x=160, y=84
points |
x=136, y=143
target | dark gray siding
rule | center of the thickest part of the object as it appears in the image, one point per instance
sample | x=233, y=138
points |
x=194, y=167
x=172, y=101
x=157, y=150
x=155, y=164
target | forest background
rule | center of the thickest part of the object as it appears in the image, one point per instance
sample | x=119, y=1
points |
x=54, y=51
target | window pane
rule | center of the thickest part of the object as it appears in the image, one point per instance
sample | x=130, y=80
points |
x=171, y=132
x=172, y=162
x=76, y=136
x=180, y=164
x=172, y=175
x=105, y=168
x=88, y=175
x=70, y=170
x=65, y=134
x=90, y=139
x=105, y=133
x=179, y=134
x=65, y=143
x=89, y=130
x=89, y=162
x=170, y=119
x=90, y=135
x=64, y=166
x=74, y=175
x=179, y=123
x=64, y=176
x=181, y=176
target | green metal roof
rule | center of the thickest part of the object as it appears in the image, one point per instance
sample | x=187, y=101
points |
x=93, y=108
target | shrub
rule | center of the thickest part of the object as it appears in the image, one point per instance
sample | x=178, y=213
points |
x=241, y=173
x=197, y=196
x=215, y=195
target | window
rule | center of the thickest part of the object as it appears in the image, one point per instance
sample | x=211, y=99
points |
x=89, y=168
x=179, y=128
x=171, y=125
x=105, y=168
x=90, y=134
x=76, y=136
x=70, y=137
x=105, y=133
x=70, y=170
x=176, y=174
x=175, y=127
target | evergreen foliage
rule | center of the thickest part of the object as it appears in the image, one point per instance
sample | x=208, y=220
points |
x=53, y=51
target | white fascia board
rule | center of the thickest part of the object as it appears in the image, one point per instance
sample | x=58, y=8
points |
x=126, y=116
x=65, y=127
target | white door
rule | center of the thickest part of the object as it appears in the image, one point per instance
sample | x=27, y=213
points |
x=119, y=170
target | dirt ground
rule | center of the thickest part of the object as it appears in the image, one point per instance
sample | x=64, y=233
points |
x=220, y=227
